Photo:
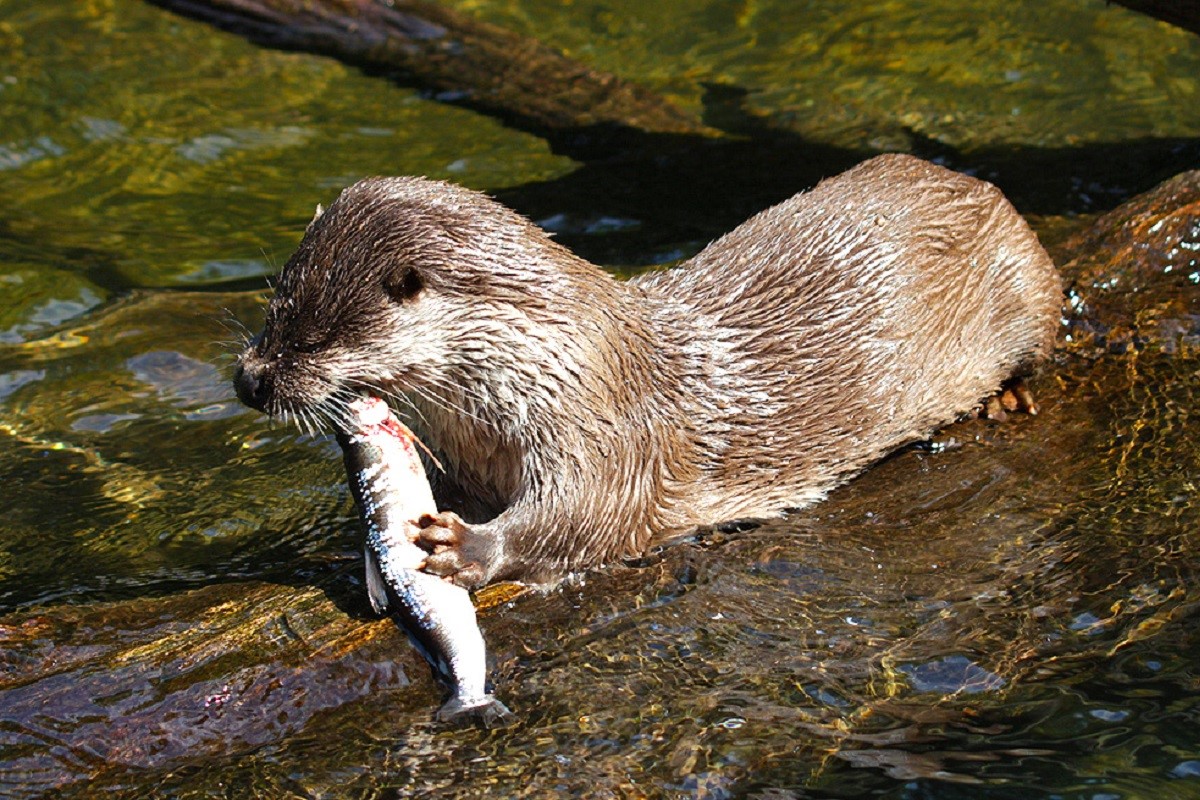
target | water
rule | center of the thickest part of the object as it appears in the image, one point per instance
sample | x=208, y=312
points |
x=180, y=608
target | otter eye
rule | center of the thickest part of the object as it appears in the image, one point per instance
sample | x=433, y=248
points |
x=403, y=286
x=307, y=346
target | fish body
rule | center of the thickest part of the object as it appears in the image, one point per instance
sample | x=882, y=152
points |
x=392, y=493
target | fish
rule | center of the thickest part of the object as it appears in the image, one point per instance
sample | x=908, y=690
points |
x=392, y=493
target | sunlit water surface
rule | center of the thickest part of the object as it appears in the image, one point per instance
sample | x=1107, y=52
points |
x=180, y=608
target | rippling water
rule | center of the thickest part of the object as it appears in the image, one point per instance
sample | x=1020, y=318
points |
x=180, y=608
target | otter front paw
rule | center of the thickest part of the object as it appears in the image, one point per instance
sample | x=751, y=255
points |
x=465, y=554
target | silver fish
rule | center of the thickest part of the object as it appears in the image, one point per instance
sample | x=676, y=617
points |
x=392, y=493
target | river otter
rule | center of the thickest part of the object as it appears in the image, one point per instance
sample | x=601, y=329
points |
x=580, y=419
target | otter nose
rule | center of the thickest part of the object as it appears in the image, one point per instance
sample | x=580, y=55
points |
x=250, y=386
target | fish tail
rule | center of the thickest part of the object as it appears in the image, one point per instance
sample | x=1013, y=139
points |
x=486, y=711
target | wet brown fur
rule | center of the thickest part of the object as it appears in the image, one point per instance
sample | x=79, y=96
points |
x=580, y=418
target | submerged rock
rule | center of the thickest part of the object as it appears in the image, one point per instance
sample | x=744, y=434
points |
x=1134, y=273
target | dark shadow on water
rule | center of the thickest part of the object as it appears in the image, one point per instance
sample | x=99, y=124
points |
x=659, y=198
x=681, y=191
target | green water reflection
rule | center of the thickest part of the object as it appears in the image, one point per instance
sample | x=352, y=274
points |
x=1013, y=618
x=1056, y=73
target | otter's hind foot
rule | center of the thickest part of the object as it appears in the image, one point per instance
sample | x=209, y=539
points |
x=1014, y=395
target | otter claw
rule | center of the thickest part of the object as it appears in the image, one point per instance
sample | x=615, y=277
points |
x=1014, y=395
x=444, y=528
x=993, y=409
x=1022, y=397
x=449, y=565
x=447, y=538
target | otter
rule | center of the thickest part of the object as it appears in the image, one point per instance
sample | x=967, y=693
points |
x=581, y=419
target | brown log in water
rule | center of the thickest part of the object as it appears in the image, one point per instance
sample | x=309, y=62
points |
x=470, y=63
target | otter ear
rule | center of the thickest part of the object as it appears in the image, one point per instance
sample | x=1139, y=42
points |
x=316, y=216
x=403, y=285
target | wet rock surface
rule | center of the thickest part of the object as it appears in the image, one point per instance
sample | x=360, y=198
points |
x=1134, y=273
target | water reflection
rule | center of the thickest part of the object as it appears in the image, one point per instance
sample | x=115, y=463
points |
x=180, y=605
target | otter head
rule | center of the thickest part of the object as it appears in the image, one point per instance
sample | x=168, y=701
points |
x=406, y=286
